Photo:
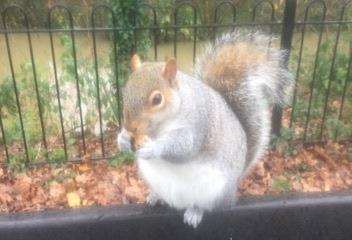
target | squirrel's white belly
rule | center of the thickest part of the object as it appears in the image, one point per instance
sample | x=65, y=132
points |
x=186, y=184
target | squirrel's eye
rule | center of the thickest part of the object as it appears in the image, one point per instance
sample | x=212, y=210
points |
x=157, y=99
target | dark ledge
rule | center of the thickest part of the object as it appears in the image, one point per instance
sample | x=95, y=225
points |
x=312, y=216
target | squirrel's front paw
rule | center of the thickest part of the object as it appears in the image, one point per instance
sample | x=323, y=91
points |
x=193, y=216
x=124, y=140
x=148, y=151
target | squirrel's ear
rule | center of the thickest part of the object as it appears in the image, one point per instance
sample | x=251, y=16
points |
x=135, y=62
x=170, y=70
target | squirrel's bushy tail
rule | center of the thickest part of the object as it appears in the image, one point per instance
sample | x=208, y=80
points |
x=248, y=72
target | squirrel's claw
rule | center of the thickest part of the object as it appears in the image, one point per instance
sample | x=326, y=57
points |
x=148, y=151
x=193, y=216
x=152, y=199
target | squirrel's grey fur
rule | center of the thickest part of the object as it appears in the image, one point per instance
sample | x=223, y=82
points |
x=204, y=141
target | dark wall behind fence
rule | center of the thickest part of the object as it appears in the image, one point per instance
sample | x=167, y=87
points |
x=60, y=80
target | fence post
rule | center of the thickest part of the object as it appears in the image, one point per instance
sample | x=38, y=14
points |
x=286, y=40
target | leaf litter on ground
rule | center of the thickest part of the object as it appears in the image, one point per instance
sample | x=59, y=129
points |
x=317, y=168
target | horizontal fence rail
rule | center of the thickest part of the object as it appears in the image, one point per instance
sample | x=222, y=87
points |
x=309, y=216
x=321, y=106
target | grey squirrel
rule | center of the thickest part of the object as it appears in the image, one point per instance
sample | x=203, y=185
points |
x=195, y=137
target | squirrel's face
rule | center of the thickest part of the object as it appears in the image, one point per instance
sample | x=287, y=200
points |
x=149, y=98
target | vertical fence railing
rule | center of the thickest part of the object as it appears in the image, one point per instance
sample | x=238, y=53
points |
x=78, y=88
x=176, y=27
x=77, y=81
x=4, y=20
x=218, y=7
x=118, y=94
x=297, y=75
x=97, y=77
x=348, y=80
x=39, y=104
x=320, y=26
x=332, y=69
x=314, y=75
x=272, y=15
x=312, y=83
x=288, y=25
x=4, y=138
x=153, y=29
x=57, y=86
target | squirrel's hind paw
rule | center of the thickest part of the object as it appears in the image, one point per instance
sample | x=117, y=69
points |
x=193, y=216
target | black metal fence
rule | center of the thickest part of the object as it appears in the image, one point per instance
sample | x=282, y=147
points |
x=320, y=56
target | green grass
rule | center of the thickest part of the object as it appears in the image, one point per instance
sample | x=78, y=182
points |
x=57, y=156
x=122, y=158
x=281, y=184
